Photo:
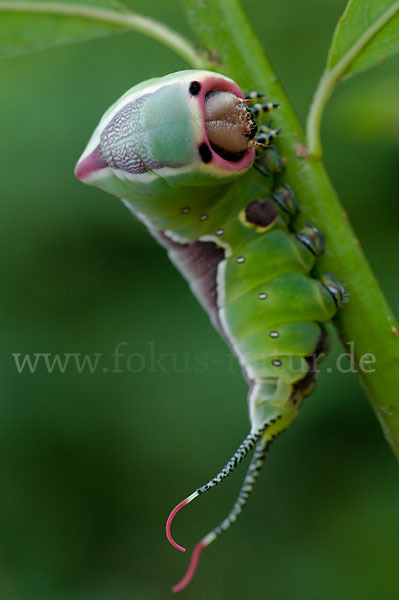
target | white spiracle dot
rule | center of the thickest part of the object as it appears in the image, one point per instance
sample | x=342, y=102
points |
x=203, y=217
x=185, y=210
x=262, y=296
x=276, y=362
x=240, y=259
x=274, y=334
x=220, y=232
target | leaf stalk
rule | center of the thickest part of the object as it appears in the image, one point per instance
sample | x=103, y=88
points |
x=127, y=20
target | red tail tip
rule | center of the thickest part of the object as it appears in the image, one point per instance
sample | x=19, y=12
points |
x=169, y=523
x=192, y=567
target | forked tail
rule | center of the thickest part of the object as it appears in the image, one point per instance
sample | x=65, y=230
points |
x=253, y=471
x=246, y=489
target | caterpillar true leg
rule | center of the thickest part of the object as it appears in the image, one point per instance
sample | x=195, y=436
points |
x=245, y=491
x=259, y=109
x=267, y=134
x=252, y=96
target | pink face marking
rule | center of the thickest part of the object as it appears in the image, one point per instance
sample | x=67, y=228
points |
x=89, y=165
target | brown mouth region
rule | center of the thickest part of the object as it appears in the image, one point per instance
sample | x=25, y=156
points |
x=230, y=125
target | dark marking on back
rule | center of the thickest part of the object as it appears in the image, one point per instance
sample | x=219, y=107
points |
x=260, y=213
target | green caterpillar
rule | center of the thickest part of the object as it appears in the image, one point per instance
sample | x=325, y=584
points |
x=175, y=149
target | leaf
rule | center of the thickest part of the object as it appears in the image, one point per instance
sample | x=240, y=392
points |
x=26, y=29
x=351, y=112
x=367, y=33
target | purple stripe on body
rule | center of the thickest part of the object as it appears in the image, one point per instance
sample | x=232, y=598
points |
x=198, y=262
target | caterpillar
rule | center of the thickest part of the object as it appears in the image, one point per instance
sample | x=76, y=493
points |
x=175, y=149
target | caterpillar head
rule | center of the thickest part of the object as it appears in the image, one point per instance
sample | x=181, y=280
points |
x=189, y=128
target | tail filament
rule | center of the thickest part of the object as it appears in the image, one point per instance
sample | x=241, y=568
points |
x=237, y=457
x=246, y=489
x=252, y=474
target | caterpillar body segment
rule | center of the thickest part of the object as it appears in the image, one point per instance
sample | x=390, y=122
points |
x=178, y=150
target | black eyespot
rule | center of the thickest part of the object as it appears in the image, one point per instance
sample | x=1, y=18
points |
x=205, y=152
x=194, y=88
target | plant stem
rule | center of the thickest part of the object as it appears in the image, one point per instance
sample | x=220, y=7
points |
x=367, y=319
x=127, y=20
x=331, y=76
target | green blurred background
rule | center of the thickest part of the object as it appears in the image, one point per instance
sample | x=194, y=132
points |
x=91, y=463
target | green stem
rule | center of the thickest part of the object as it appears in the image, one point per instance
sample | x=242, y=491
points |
x=126, y=20
x=331, y=76
x=367, y=319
